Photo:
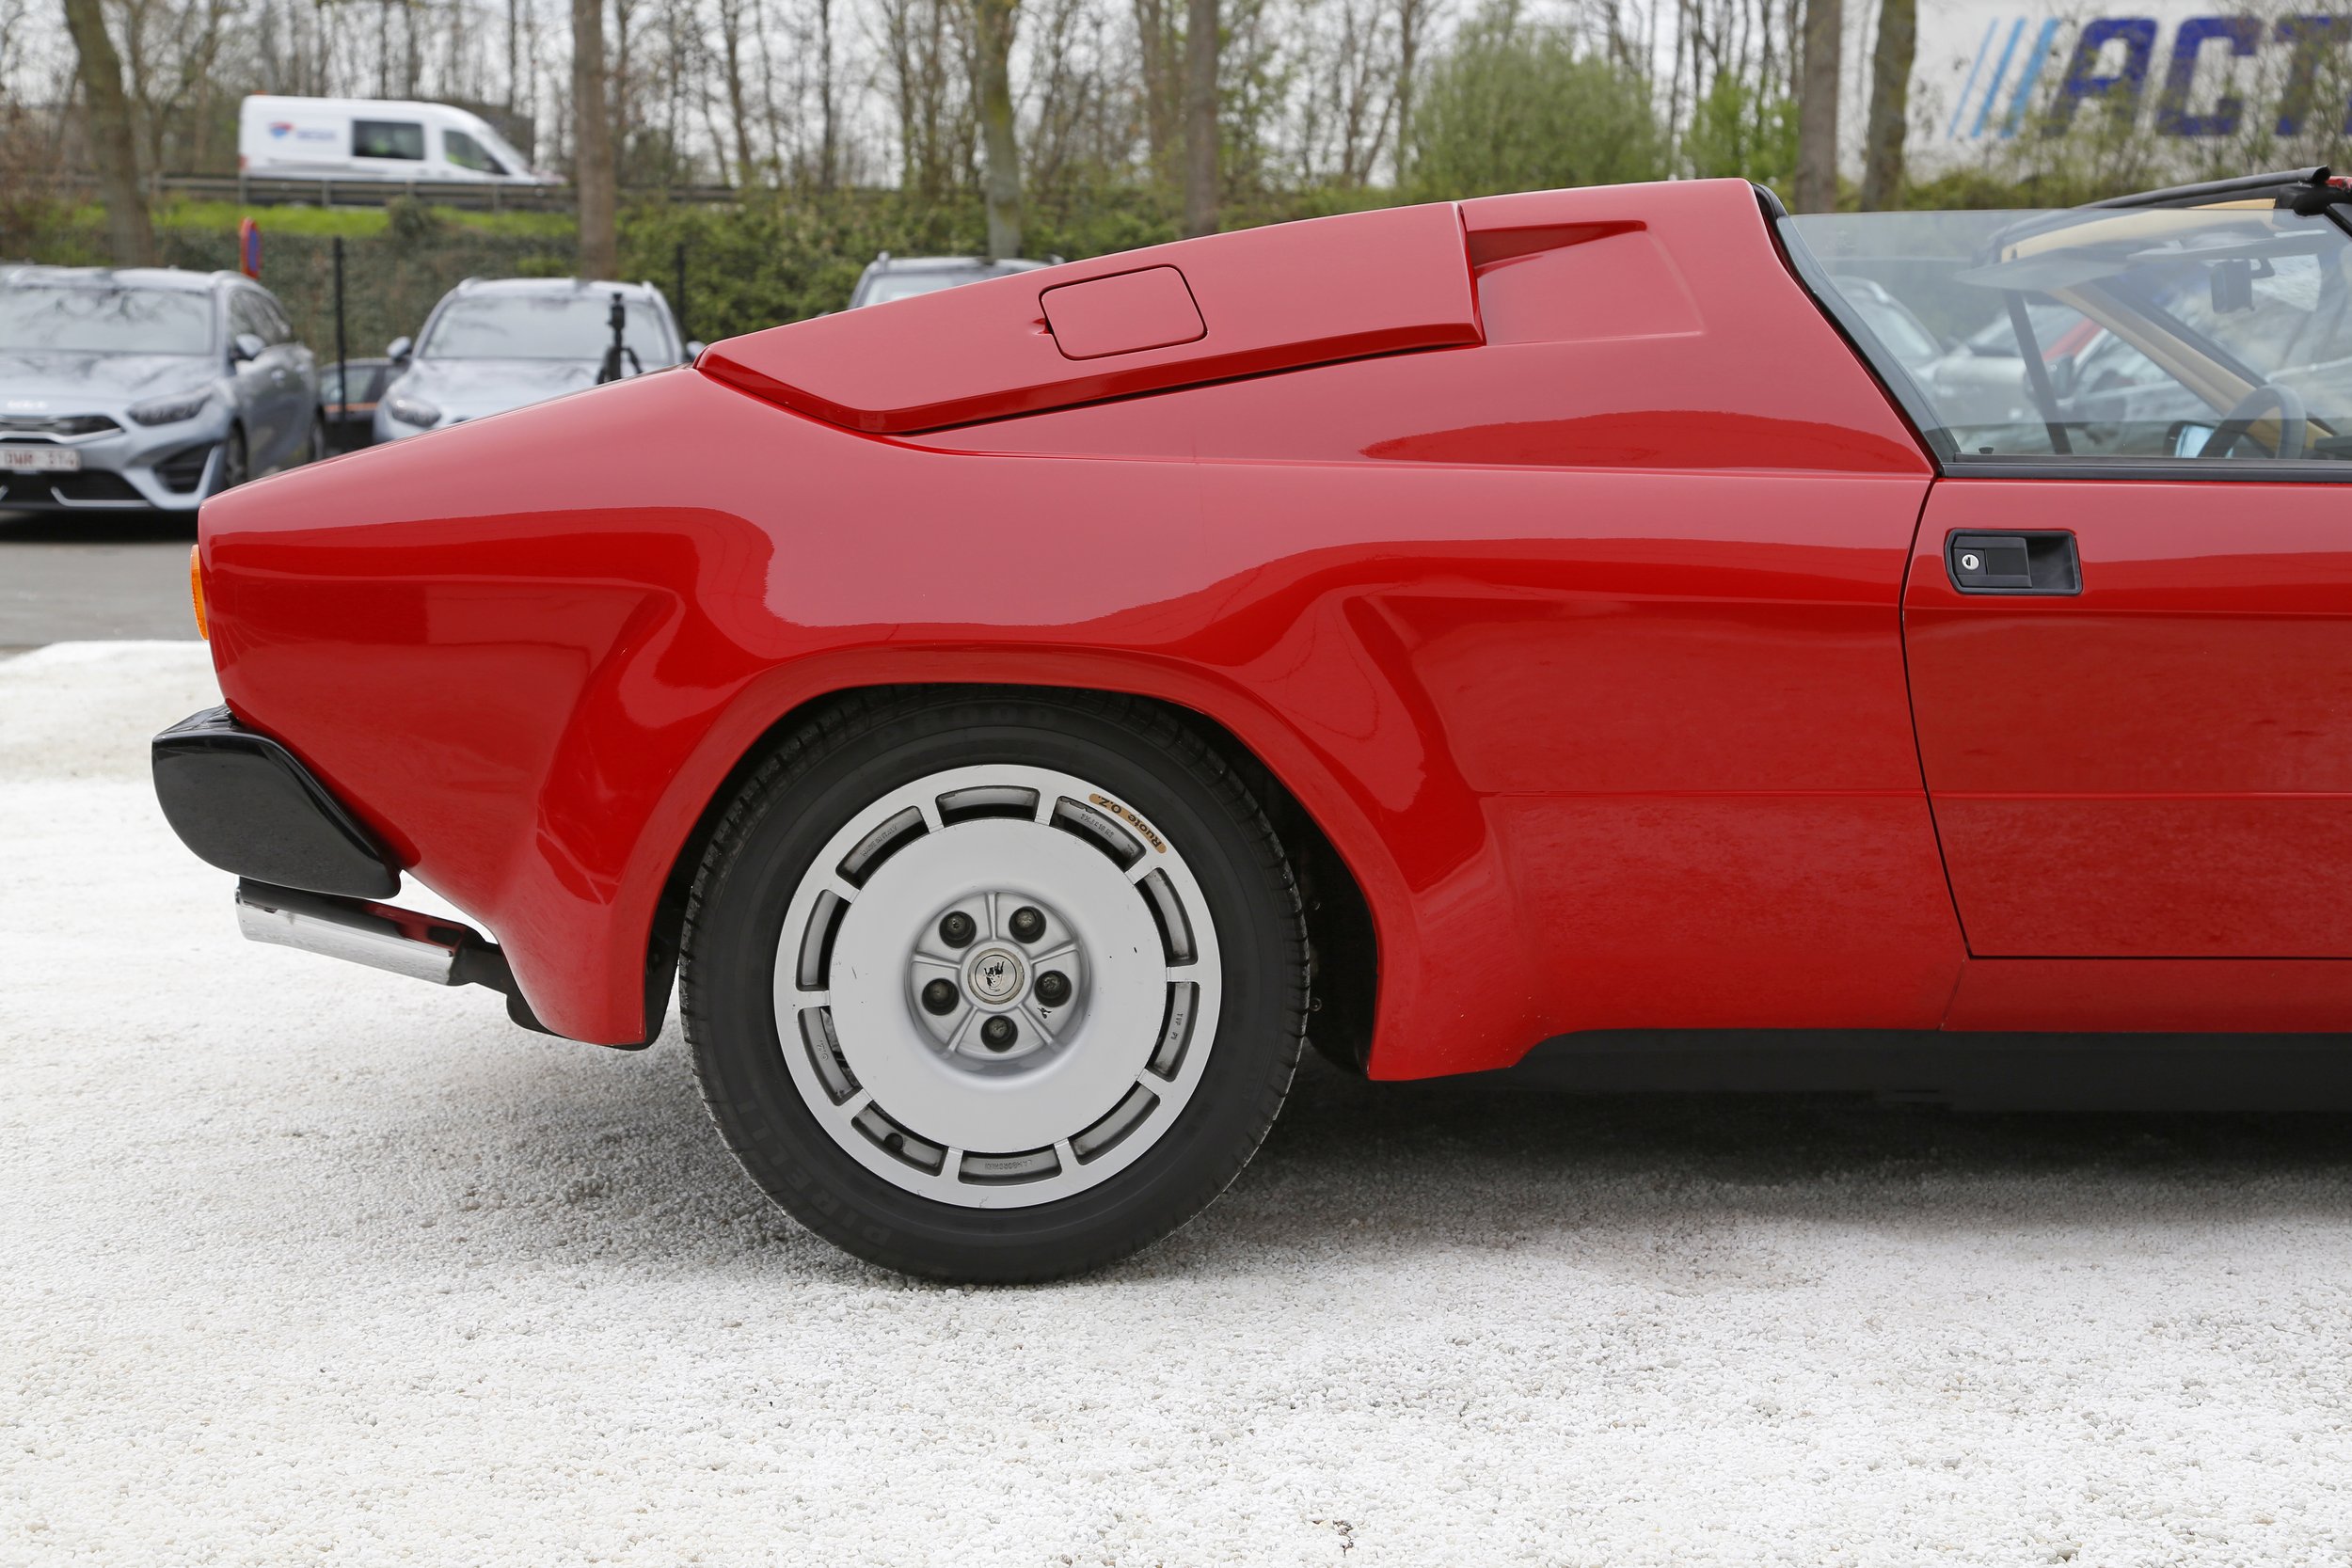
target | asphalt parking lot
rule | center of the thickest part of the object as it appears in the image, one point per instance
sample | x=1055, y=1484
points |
x=308, y=1264
x=92, y=576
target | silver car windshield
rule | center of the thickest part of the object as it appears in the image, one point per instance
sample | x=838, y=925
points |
x=906, y=285
x=80, y=319
x=520, y=326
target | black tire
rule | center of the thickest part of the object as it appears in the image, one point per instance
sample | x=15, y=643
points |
x=808, y=788
x=234, y=469
x=316, y=447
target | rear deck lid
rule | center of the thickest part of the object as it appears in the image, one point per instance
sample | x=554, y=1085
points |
x=1172, y=315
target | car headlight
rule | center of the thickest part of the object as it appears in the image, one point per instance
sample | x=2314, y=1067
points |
x=171, y=410
x=408, y=410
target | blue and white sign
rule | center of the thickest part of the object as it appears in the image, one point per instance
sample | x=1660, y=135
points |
x=1992, y=73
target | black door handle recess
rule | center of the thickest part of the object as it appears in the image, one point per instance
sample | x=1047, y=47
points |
x=2038, y=562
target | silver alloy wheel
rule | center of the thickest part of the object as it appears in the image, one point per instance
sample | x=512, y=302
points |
x=997, y=985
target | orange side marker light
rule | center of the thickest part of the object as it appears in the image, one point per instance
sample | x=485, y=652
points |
x=196, y=590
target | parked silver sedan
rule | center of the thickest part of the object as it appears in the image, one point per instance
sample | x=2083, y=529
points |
x=492, y=345
x=146, y=388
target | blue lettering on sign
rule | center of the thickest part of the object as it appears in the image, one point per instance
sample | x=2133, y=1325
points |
x=1999, y=71
x=2173, y=116
x=2309, y=39
x=2119, y=89
x=1968, y=89
x=2034, y=61
x=2108, y=66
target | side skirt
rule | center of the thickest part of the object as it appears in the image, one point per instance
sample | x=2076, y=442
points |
x=1967, y=1071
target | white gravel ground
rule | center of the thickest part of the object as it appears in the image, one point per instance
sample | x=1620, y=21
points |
x=304, y=1264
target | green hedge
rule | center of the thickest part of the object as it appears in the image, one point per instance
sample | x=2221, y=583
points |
x=773, y=257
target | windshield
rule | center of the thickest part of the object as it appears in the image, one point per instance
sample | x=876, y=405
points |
x=98, y=320
x=906, y=285
x=529, y=326
x=2148, y=332
x=465, y=153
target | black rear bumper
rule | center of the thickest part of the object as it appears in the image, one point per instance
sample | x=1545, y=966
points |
x=243, y=803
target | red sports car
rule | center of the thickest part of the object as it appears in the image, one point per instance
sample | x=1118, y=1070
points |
x=1853, y=651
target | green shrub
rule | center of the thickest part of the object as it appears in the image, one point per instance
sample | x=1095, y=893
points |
x=1517, y=105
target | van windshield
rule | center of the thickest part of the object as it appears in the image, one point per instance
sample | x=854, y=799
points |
x=88, y=320
x=522, y=327
x=465, y=153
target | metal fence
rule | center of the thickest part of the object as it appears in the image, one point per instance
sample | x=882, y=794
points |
x=390, y=282
x=255, y=191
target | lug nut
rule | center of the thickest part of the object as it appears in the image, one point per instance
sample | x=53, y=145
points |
x=998, y=1034
x=940, y=996
x=956, y=929
x=1028, y=924
x=1053, y=988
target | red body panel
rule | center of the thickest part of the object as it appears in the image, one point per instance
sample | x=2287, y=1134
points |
x=1582, y=642
x=1271, y=298
x=1634, y=326
x=2160, y=767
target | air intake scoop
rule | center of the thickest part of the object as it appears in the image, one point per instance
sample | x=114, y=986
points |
x=1172, y=315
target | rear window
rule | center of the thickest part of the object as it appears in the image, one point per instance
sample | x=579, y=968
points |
x=105, y=321
x=387, y=139
x=2146, y=332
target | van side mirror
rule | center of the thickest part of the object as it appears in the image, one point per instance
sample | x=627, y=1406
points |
x=397, y=350
x=693, y=349
x=244, y=346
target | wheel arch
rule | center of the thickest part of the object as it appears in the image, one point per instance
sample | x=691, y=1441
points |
x=1343, y=934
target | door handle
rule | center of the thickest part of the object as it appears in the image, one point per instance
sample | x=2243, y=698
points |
x=2043, y=561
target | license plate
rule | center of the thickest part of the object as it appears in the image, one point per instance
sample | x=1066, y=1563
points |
x=39, y=460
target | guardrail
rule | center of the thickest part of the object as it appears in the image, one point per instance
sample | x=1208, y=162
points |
x=328, y=191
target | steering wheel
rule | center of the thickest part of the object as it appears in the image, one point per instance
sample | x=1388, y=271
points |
x=2294, y=424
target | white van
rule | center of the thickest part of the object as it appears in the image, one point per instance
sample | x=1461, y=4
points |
x=374, y=138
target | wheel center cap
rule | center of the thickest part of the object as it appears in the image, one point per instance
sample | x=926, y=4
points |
x=995, y=975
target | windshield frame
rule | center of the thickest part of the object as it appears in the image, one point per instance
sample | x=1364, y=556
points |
x=1927, y=424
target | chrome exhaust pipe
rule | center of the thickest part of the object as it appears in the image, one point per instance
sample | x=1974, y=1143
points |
x=421, y=946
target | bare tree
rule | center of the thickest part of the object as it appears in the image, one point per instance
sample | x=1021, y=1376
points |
x=731, y=19
x=827, y=103
x=993, y=25
x=1890, y=104
x=171, y=58
x=1412, y=20
x=1348, y=63
x=1817, y=108
x=1082, y=98
x=925, y=42
x=593, y=175
x=1160, y=63
x=130, y=240
x=1200, y=117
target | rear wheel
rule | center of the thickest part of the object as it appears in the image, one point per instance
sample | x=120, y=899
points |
x=994, y=988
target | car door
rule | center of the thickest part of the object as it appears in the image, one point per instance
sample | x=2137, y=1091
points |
x=258, y=381
x=280, y=387
x=2148, y=755
x=2131, y=665
x=294, y=378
